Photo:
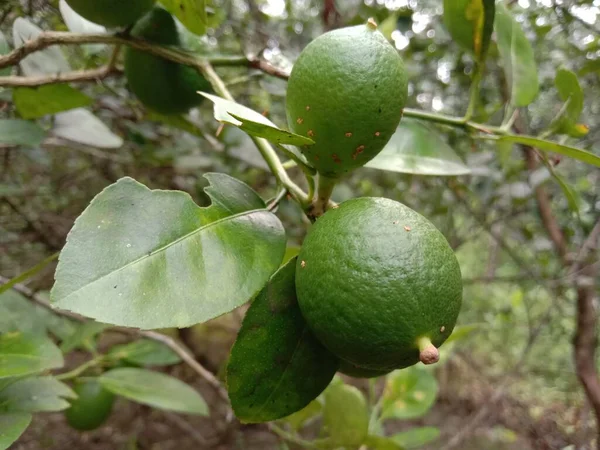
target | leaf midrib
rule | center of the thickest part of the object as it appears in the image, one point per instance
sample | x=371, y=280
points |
x=163, y=248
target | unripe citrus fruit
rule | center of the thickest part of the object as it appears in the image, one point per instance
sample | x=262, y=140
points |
x=111, y=13
x=164, y=86
x=92, y=406
x=346, y=92
x=378, y=284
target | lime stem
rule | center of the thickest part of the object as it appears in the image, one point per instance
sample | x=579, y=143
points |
x=325, y=187
x=428, y=353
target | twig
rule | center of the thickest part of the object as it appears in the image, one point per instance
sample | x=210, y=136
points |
x=187, y=427
x=67, y=77
x=181, y=350
x=28, y=273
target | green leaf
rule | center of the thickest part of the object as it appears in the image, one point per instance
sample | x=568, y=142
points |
x=462, y=332
x=471, y=23
x=388, y=26
x=345, y=415
x=83, y=336
x=277, y=366
x=252, y=122
x=154, y=259
x=549, y=146
x=409, y=393
x=32, y=103
x=571, y=93
x=81, y=126
x=517, y=57
x=41, y=394
x=416, y=437
x=4, y=49
x=18, y=313
x=20, y=132
x=22, y=354
x=154, y=389
x=191, y=13
x=11, y=427
x=418, y=149
x=145, y=352
x=374, y=442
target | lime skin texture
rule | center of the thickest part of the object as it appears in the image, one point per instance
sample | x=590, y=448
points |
x=92, y=406
x=161, y=85
x=111, y=13
x=346, y=92
x=376, y=281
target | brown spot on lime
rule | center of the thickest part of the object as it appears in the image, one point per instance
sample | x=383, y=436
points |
x=303, y=264
x=442, y=329
x=348, y=134
x=310, y=133
x=358, y=151
x=336, y=158
x=377, y=133
x=317, y=157
x=335, y=206
x=395, y=222
x=406, y=227
x=299, y=120
x=307, y=108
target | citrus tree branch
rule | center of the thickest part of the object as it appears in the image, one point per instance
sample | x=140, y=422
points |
x=179, y=348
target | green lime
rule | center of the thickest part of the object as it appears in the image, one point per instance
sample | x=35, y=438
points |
x=346, y=92
x=378, y=284
x=359, y=372
x=161, y=85
x=111, y=13
x=92, y=406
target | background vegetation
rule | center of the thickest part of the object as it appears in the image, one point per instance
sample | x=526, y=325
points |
x=526, y=235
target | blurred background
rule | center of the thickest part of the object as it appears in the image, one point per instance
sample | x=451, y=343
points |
x=510, y=381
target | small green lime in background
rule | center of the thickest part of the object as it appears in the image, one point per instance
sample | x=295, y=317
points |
x=91, y=408
x=378, y=284
x=346, y=92
x=111, y=13
x=161, y=85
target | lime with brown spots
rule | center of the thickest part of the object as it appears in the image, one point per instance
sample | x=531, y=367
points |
x=378, y=284
x=111, y=13
x=346, y=92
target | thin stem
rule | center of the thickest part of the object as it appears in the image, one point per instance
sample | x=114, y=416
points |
x=28, y=273
x=283, y=434
x=474, y=95
x=80, y=369
x=325, y=187
x=264, y=147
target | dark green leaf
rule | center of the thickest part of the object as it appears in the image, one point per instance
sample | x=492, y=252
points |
x=20, y=132
x=416, y=148
x=22, y=354
x=345, y=416
x=409, y=393
x=191, y=13
x=11, y=427
x=416, y=437
x=253, y=123
x=154, y=259
x=35, y=395
x=277, y=366
x=154, y=389
x=549, y=146
x=83, y=336
x=461, y=332
x=81, y=126
x=517, y=57
x=145, y=352
x=374, y=442
x=32, y=103
x=471, y=23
